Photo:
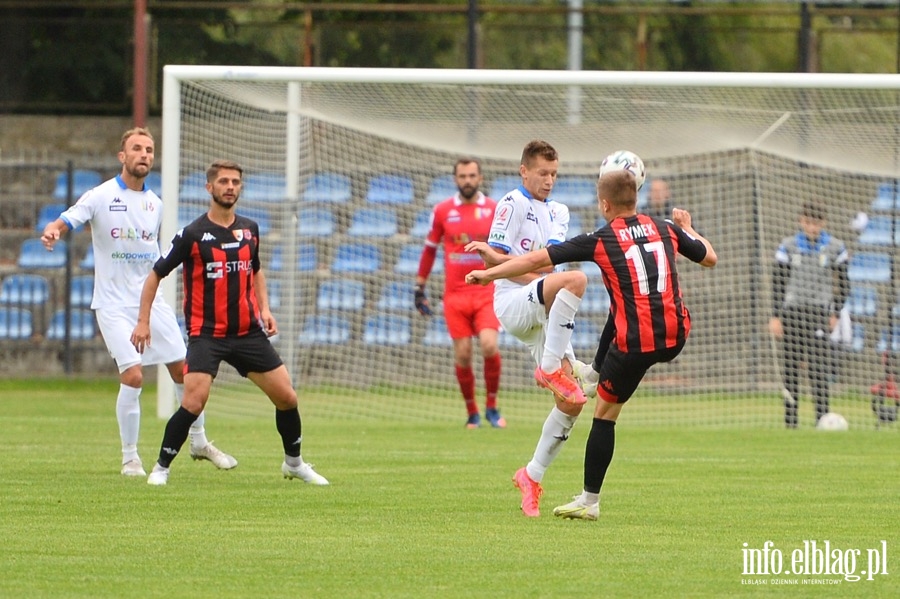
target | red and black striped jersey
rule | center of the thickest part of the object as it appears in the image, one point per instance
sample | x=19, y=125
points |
x=636, y=255
x=219, y=267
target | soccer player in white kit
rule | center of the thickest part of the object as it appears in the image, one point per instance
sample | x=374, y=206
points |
x=125, y=218
x=538, y=308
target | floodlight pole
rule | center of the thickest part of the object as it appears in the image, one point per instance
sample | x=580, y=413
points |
x=139, y=85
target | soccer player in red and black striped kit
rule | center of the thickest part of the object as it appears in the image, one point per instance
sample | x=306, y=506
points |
x=648, y=321
x=226, y=309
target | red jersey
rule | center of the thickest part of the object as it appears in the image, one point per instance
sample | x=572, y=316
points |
x=458, y=223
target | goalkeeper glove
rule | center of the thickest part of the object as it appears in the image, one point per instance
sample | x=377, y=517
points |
x=422, y=301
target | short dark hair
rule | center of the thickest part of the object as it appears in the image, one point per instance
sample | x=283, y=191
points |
x=813, y=211
x=538, y=147
x=213, y=171
x=464, y=160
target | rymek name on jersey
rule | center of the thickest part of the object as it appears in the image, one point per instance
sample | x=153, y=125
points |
x=639, y=231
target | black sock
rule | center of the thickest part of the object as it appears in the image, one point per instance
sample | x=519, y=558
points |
x=598, y=453
x=176, y=434
x=288, y=424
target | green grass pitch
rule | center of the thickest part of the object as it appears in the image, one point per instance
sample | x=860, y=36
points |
x=427, y=509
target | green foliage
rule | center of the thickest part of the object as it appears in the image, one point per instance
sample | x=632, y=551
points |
x=419, y=509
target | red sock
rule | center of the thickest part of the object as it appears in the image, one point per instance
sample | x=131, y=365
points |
x=466, y=379
x=492, y=379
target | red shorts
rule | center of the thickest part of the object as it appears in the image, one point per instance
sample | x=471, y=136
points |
x=468, y=313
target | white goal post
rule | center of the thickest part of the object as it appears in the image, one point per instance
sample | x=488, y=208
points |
x=741, y=151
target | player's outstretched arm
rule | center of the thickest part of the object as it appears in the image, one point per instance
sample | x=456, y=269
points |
x=512, y=268
x=52, y=232
x=140, y=336
x=682, y=218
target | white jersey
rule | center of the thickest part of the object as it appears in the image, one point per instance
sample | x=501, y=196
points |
x=125, y=234
x=523, y=224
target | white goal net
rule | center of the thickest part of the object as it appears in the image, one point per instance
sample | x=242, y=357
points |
x=342, y=168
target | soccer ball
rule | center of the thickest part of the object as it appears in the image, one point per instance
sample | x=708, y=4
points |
x=623, y=160
x=832, y=421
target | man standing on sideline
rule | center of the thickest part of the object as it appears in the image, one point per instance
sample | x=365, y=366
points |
x=659, y=200
x=125, y=217
x=809, y=288
x=458, y=220
x=538, y=307
x=226, y=310
x=648, y=321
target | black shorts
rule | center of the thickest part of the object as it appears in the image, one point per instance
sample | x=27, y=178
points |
x=621, y=373
x=248, y=353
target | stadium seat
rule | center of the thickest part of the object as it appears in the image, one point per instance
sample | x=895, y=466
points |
x=421, y=224
x=356, y=257
x=373, y=222
x=441, y=188
x=596, y=299
x=396, y=296
x=264, y=187
x=385, y=329
x=586, y=335
x=193, y=187
x=307, y=257
x=869, y=268
x=82, y=293
x=22, y=289
x=153, y=182
x=888, y=197
x=575, y=227
x=390, y=189
x=341, y=294
x=887, y=342
x=82, y=180
x=273, y=290
x=408, y=261
x=863, y=301
x=330, y=188
x=576, y=192
x=325, y=329
x=87, y=263
x=47, y=215
x=503, y=185
x=82, y=325
x=591, y=270
x=15, y=323
x=436, y=334
x=189, y=209
x=858, y=337
x=316, y=222
x=880, y=230
x=259, y=215
x=34, y=255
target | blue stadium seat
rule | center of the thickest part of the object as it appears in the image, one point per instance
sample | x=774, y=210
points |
x=421, y=224
x=858, y=338
x=586, y=335
x=22, y=289
x=373, y=222
x=307, y=257
x=87, y=263
x=82, y=325
x=193, y=187
x=327, y=329
x=189, y=209
x=47, y=215
x=82, y=292
x=888, y=198
x=341, y=294
x=863, y=300
x=396, y=296
x=441, y=188
x=591, y=270
x=260, y=215
x=880, y=230
x=503, y=185
x=356, y=257
x=888, y=342
x=869, y=267
x=576, y=192
x=273, y=289
x=436, y=334
x=276, y=260
x=15, y=323
x=264, y=187
x=33, y=255
x=153, y=182
x=390, y=189
x=82, y=180
x=387, y=329
x=330, y=188
x=408, y=261
x=596, y=298
x=316, y=222
x=575, y=227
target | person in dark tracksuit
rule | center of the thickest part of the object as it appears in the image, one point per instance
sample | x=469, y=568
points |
x=810, y=286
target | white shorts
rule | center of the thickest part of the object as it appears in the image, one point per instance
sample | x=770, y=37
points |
x=524, y=317
x=166, y=340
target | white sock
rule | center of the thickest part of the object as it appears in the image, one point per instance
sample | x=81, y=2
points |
x=560, y=325
x=293, y=462
x=590, y=498
x=198, y=432
x=128, y=413
x=553, y=436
